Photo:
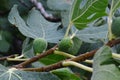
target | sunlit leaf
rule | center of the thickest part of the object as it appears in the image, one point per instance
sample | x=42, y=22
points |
x=85, y=11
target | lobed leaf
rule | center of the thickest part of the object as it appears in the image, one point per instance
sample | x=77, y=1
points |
x=36, y=26
x=102, y=68
x=115, y=4
x=14, y=74
x=59, y=4
x=85, y=11
x=92, y=34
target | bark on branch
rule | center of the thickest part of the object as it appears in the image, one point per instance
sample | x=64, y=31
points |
x=79, y=58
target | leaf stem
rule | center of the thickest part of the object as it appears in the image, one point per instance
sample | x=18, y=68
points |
x=110, y=36
x=89, y=61
x=35, y=58
x=79, y=58
x=109, y=28
x=70, y=56
x=69, y=63
x=5, y=58
x=115, y=55
x=64, y=54
x=68, y=29
x=16, y=59
x=73, y=34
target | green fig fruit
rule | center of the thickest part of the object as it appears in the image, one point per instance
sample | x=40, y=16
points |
x=116, y=27
x=65, y=44
x=39, y=45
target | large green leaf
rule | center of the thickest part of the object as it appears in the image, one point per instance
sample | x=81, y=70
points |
x=59, y=4
x=86, y=47
x=65, y=18
x=103, y=69
x=36, y=26
x=64, y=7
x=65, y=74
x=85, y=11
x=92, y=34
x=14, y=74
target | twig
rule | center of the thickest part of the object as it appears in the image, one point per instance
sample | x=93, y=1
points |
x=14, y=59
x=70, y=56
x=46, y=68
x=60, y=64
x=76, y=59
x=113, y=42
x=40, y=7
x=84, y=56
x=36, y=58
x=5, y=58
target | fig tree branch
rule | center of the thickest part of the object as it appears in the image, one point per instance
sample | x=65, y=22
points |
x=5, y=58
x=36, y=58
x=78, y=58
x=60, y=64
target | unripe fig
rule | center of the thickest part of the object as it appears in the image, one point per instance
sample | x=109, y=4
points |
x=116, y=27
x=39, y=45
x=65, y=44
